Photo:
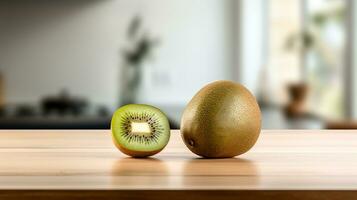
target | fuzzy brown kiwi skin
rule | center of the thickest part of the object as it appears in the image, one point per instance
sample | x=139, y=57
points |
x=135, y=154
x=222, y=120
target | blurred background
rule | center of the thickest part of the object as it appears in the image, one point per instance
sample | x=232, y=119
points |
x=69, y=64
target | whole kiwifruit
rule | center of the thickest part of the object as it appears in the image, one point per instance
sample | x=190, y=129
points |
x=222, y=120
x=140, y=130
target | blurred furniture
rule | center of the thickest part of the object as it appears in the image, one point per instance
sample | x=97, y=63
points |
x=55, y=122
x=32, y=117
x=63, y=104
x=348, y=124
x=27, y=116
x=274, y=117
x=85, y=164
x=61, y=111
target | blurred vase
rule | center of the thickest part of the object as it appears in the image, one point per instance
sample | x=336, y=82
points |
x=131, y=78
x=297, y=95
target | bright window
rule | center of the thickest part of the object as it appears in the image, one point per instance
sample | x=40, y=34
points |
x=325, y=57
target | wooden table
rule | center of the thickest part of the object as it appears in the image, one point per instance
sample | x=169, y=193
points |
x=85, y=165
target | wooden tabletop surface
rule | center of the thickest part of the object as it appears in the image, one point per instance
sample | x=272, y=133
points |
x=85, y=163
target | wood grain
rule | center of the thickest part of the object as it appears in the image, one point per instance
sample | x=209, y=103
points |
x=85, y=164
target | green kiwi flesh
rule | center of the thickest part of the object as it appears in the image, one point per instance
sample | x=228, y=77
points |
x=140, y=130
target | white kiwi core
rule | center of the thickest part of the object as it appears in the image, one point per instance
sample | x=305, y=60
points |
x=140, y=128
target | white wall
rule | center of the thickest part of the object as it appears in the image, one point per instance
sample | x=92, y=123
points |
x=252, y=38
x=196, y=47
x=49, y=45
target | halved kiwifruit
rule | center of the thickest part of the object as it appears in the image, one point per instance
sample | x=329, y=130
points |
x=140, y=130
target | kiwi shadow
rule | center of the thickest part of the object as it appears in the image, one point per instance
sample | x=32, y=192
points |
x=139, y=167
x=231, y=171
x=133, y=171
